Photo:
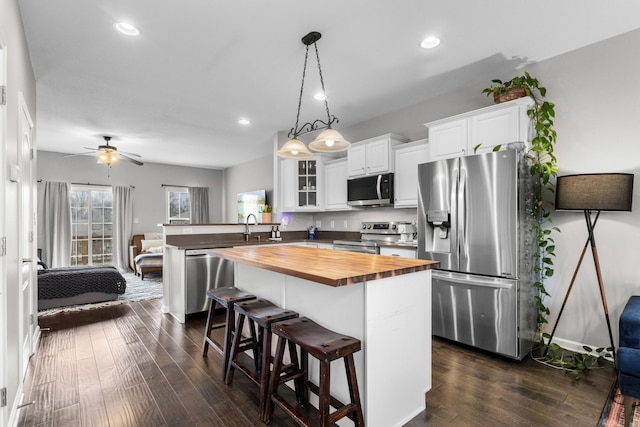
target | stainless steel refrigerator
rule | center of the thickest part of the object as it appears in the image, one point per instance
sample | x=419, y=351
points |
x=474, y=216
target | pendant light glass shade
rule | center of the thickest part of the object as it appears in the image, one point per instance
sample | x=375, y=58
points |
x=294, y=149
x=329, y=141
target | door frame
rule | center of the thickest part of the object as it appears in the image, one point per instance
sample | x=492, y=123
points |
x=4, y=411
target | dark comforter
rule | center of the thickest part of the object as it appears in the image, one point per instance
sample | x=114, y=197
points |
x=68, y=282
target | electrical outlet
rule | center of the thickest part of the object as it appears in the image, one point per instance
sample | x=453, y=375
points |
x=346, y=224
x=333, y=224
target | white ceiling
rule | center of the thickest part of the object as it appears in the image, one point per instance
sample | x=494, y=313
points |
x=174, y=94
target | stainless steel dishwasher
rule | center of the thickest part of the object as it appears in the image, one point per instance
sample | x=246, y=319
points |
x=205, y=270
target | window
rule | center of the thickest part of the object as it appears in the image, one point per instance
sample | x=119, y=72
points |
x=178, y=206
x=91, y=225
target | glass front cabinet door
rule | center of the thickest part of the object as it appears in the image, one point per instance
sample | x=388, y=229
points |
x=307, y=184
x=300, y=182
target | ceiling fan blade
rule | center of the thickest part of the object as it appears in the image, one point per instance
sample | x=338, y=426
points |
x=129, y=154
x=89, y=148
x=79, y=154
x=134, y=161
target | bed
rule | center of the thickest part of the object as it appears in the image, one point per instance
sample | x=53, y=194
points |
x=59, y=287
x=146, y=254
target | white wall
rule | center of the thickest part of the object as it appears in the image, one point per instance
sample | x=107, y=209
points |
x=149, y=202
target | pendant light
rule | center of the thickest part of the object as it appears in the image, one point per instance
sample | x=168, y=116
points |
x=329, y=140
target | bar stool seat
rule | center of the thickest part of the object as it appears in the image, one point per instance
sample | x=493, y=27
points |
x=226, y=297
x=326, y=346
x=261, y=313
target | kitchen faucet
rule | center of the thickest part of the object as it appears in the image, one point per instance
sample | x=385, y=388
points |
x=247, y=232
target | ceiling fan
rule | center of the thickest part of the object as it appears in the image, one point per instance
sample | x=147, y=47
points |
x=108, y=154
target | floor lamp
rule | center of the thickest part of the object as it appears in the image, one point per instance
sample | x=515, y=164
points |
x=592, y=193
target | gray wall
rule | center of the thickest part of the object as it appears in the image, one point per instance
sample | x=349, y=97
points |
x=254, y=175
x=149, y=197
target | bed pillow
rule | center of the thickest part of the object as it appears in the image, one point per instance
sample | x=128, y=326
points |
x=156, y=250
x=153, y=236
x=147, y=244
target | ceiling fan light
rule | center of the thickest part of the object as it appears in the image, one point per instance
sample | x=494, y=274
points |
x=329, y=141
x=294, y=149
x=108, y=156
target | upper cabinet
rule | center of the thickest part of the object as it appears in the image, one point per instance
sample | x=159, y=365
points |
x=495, y=125
x=300, y=184
x=335, y=185
x=408, y=157
x=373, y=156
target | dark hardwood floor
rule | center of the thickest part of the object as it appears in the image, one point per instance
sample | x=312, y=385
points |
x=130, y=365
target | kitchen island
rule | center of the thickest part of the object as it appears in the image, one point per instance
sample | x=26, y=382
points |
x=383, y=301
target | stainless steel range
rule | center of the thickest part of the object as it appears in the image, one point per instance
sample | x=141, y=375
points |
x=375, y=234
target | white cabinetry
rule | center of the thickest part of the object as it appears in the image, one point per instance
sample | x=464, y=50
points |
x=400, y=252
x=335, y=185
x=300, y=184
x=495, y=125
x=373, y=156
x=405, y=184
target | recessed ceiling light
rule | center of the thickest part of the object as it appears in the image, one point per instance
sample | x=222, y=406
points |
x=320, y=96
x=126, y=29
x=244, y=122
x=430, y=42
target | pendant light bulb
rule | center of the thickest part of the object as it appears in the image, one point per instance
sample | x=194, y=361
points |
x=329, y=141
x=294, y=149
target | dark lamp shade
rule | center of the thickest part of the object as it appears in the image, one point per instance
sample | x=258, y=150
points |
x=595, y=192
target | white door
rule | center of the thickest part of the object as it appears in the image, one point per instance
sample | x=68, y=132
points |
x=26, y=218
x=4, y=415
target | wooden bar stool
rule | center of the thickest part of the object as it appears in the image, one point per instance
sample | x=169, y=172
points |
x=326, y=346
x=226, y=298
x=262, y=313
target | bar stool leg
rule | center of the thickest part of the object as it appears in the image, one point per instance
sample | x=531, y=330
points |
x=273, y=381
x=323, y=392
x=207, y=334
x=352, y=380
x=229, y=330
x=301, y=398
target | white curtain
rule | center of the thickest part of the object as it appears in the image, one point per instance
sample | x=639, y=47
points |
x=199, y=202
x=54, y=223
x=122, y=225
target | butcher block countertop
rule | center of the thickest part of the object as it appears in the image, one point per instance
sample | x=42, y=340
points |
x=326, y=266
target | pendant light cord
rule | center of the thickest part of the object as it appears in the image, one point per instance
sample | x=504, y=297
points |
x=326, y=103
x=296, y=132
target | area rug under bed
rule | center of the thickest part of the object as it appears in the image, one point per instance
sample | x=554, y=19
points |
x=613, y=411
x=137, y=290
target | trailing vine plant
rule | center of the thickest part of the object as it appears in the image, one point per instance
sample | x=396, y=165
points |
x=544, y=168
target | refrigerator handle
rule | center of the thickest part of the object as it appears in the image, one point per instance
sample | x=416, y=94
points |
x=475, y=281
x=462, y=213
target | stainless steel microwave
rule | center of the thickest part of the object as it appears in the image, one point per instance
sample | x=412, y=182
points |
x=374, y=190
